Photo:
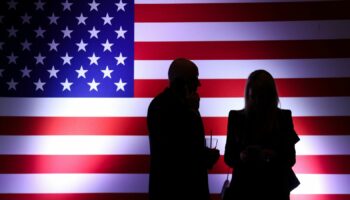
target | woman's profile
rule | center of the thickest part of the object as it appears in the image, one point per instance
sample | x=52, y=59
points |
x=260, y=144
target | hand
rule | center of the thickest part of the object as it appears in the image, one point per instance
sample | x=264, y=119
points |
x=213, y=157
x=192, y=100
x=243, y=155
x=256, y=153
x=251, y=153
x=268, y=154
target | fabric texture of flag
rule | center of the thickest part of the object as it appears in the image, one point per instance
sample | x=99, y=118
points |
x=76, y=78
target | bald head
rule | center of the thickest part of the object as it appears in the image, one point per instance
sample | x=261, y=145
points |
x=184, y=70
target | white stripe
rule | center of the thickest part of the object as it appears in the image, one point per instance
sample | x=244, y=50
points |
x=310, y=183
x=138, y=183
x=137, y=107
x=242, y=31
x=323, y=184
x=323, y=145
x=240, y=69
x=73, y=183
x=310, y=106
x=74, y=145
x=216, y=1
x=64, y=107
x=139, y=145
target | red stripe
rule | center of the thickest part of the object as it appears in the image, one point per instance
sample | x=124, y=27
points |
x=129, y=196
x=306, y=165
x=140, y=164
x=322, y=164
x=90, y=196
x=322, y=125
x=241, y=12
x=302, y=125
x=74, y=164
x=297, y=87
x=321, y=197
x=138, y=126
x=73, y=125
x=242, y=50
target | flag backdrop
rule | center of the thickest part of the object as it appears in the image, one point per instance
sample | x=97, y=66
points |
x=76, y=78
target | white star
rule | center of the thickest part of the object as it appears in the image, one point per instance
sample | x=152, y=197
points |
x=12, y=4
x=120, y=59
x=66, y=32
x=53, y=45
x=107, y=46
x=107, y=20
x=121, y=32
x=12, y=58
x=53, y=19
x=1, y=71
x=81, y=19
x=120, y=85
x=81, y=72
x=40, y=32
x=81, y=45
x=26, y=72
x=53, y=72
x=39, y=5
x=66, y=59
x=107, y=72
x=93, y=85
x=39, y=85
x=39, y=59
x=1, y=44
x=12, y=84
x=93, y=32
x=66, y=85
x=26, y=18
x=93, y=5
x=120, y=6
x=66, y=5
x=93, y=59
x=26, y=45
x=12, y=32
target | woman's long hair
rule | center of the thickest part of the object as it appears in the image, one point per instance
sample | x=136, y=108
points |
x=261, y=99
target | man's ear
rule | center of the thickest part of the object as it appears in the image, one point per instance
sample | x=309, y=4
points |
x=178, y=83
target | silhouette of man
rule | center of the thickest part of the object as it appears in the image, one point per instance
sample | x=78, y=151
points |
x=179, y=157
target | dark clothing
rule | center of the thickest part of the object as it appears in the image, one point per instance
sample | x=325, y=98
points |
x=261, y=179
x=178, y=153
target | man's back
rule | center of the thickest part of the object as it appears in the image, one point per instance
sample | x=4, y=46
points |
x=178, y=168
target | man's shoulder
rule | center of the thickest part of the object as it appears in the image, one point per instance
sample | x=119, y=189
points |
x=160, y=100
x=284, y=113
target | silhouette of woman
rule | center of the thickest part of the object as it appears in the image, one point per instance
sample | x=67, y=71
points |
x=260, y=144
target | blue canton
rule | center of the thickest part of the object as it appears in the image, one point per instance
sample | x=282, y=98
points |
x=67, y=48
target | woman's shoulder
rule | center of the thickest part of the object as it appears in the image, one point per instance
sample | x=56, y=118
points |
x=236, y=114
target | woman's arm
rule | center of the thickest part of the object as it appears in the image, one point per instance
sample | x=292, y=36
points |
x=290, y=139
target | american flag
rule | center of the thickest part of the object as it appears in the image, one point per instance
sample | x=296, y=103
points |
x=67, y=133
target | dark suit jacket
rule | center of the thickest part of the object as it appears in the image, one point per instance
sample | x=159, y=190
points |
x=178, y=153
x=266, y=178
